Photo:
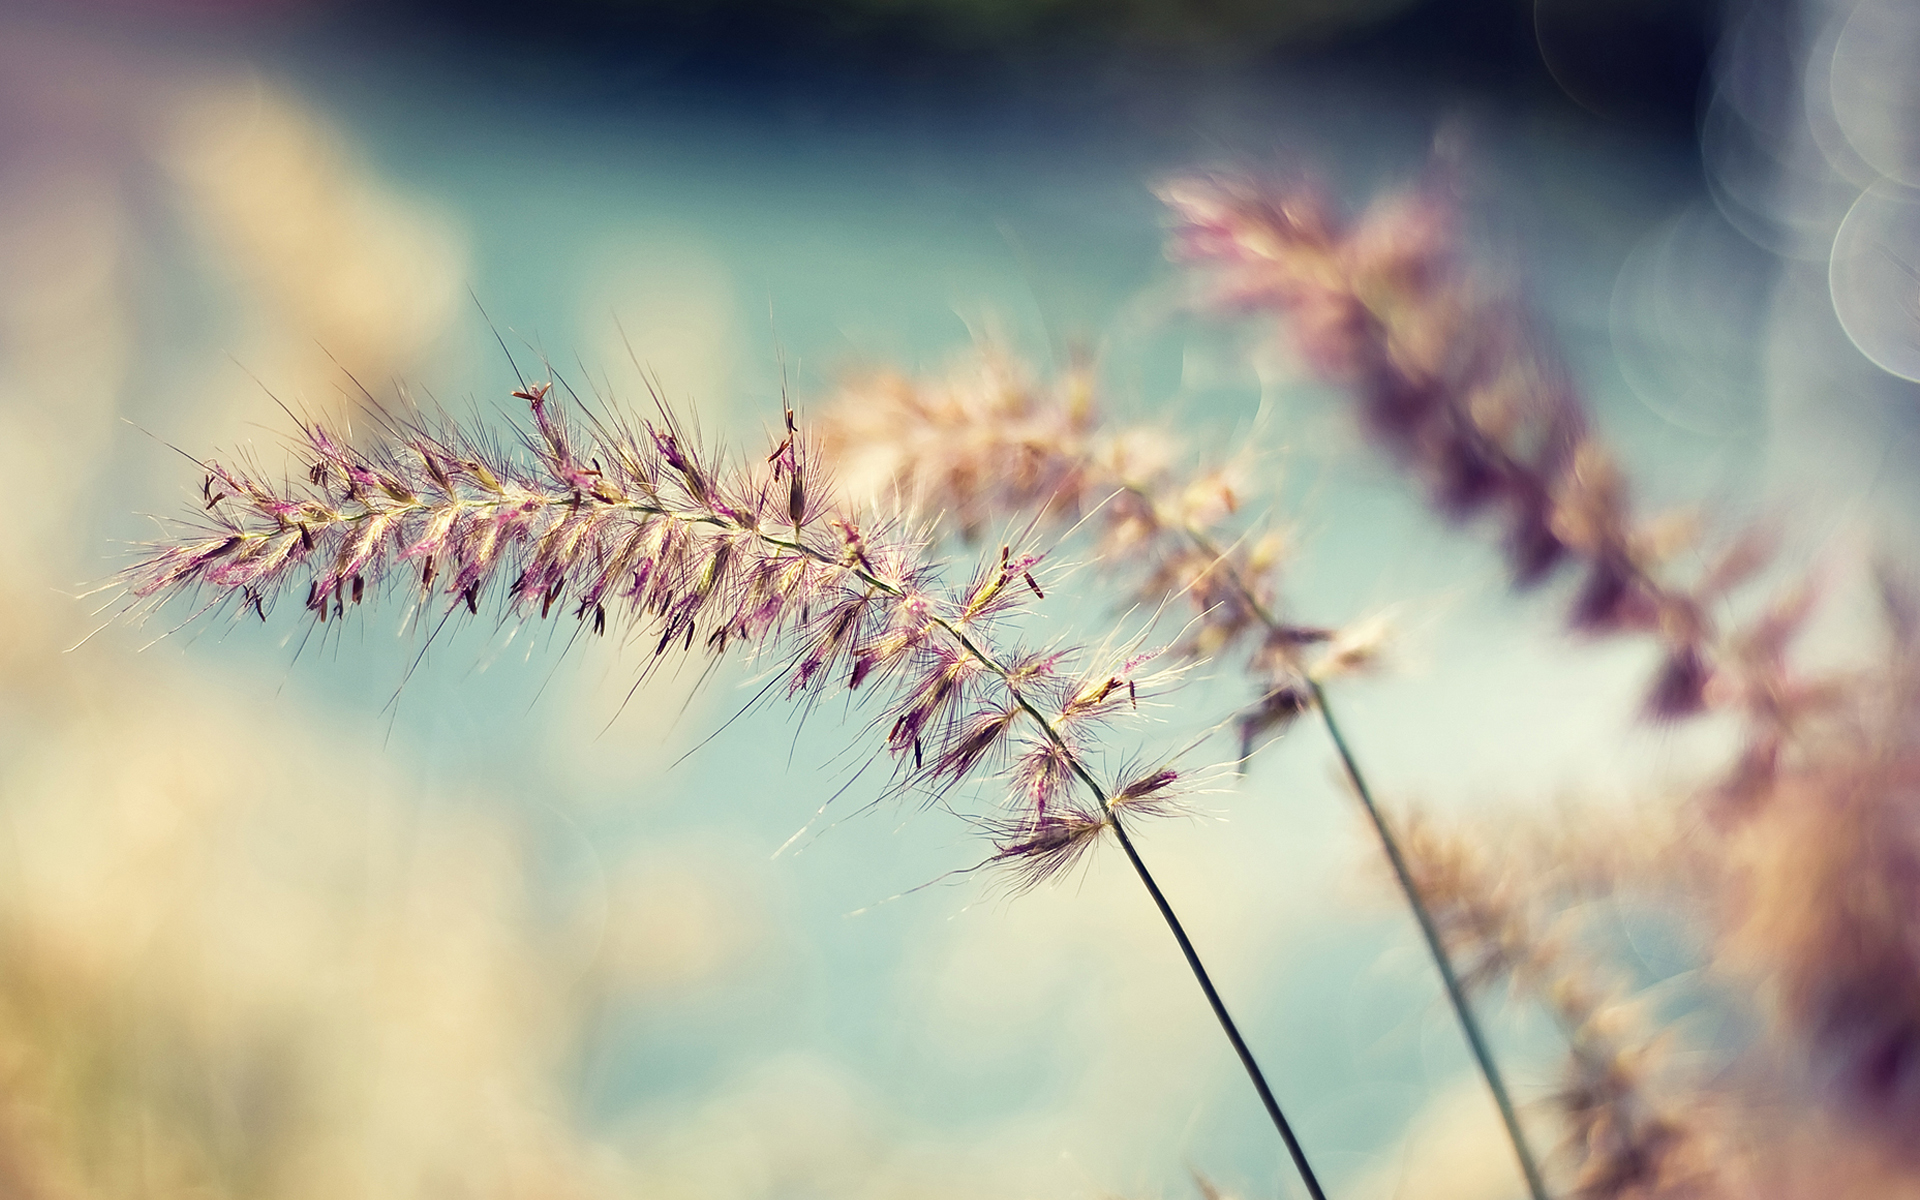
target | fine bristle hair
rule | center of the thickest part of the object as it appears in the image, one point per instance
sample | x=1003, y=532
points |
x=632, y=524
x=991, y=442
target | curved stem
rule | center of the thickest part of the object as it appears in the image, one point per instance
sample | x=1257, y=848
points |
x=1107, y=806
x=652, y=506
x=1220, y=1011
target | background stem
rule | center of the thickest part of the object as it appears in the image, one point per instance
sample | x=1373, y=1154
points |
x=1462, y=1005
x=1456, y=993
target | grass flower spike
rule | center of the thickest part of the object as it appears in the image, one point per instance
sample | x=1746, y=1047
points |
x=1454, y=382
x=989, y=444
x=636, y=526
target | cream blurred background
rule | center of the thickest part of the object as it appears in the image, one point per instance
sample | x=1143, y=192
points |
x=263, y=933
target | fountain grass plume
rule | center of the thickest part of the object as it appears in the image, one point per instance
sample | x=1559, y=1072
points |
x=989, y=443
x=634, y=523
x=1452, y=379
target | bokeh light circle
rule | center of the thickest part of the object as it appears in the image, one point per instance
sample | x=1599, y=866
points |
x=1783, y=201
x=1876, y=87
x=1874, y=274
x=1687, y=306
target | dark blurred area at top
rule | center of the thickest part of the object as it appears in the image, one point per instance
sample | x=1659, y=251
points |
x=1634, y=63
